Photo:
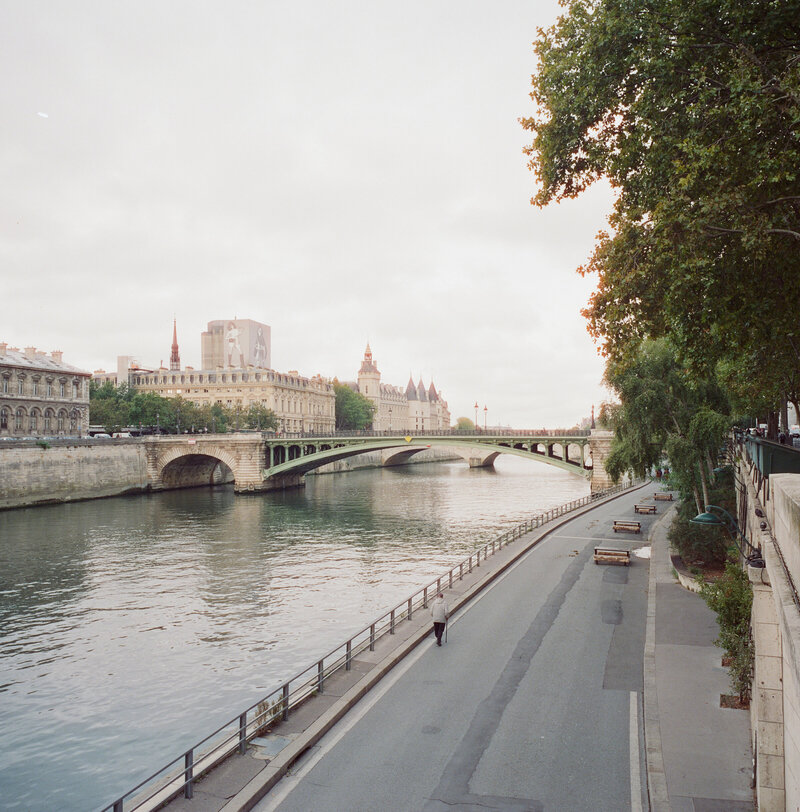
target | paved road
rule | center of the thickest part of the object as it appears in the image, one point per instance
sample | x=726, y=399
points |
x=533, y=704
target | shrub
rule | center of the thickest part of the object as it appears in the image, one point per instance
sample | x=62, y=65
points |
x=731, y=597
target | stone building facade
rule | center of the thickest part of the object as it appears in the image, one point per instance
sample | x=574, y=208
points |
x=301, y=404
x=40, y=395
x=413, y=409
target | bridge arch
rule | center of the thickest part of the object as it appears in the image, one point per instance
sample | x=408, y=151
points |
x=478, y=453
x=191, y=468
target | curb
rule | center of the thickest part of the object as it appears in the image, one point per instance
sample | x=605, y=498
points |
x=255, y=790
x=656, y=777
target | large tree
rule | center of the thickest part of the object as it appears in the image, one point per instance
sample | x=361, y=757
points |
x=692, y=111
x=353, y=410
x=665, y=413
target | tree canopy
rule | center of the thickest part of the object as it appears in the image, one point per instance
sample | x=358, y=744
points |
x=353, y=410
x=692, y=112
x=118, y=407
x=664, y=411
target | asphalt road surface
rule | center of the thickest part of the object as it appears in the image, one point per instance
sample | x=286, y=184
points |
x=534, y=703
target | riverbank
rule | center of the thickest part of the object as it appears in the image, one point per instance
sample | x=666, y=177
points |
x=58, y=471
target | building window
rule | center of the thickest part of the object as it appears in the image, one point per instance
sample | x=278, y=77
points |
x=35, y=386
x=62, y=390
x=74, y=390
x=20, y=416
x=73, y=421
x=34, y=421
x=3, y=418
x=61, y=416
x=48, y=417
x=49, y=391
x=5, y=386
x=20, y=386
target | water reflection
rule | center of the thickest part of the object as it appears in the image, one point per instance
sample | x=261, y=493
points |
x=130, y=627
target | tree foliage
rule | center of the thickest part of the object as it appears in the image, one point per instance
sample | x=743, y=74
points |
x=692, y=112
x=119, y=407
x=354, y=411
x=664, y=411
x=465, y=424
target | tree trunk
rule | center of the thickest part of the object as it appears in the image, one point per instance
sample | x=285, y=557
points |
x=704, y=483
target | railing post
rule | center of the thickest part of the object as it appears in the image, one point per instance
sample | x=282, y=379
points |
x=349, y=655
x=470, y=563
x=372, y=637
x=461, y=571
x=285, y=701
x=391, y=623
x=320, y=675
x=188, y=773
x=409, y=609
x=438, y=586
x=118, y=805
x=451, y=579
x=243, y=733
x=478, y=559
x=425, y=597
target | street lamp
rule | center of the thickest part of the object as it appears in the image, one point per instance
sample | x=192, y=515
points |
x=158, y=429
x=710, y=519
x=485, y=409
x=476, y=415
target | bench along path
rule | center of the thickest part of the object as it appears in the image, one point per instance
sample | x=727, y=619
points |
x=644, y=508
x=626, y=525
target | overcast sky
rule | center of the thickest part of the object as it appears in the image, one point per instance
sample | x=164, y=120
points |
x=344, y=172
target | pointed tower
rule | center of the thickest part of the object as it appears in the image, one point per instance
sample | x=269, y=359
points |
x=175, y=356
x=369, y=384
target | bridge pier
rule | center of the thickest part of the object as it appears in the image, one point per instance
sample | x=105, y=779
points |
x=600, y=447
x=282, y=482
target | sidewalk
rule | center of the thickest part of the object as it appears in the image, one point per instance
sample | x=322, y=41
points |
x=698, y=755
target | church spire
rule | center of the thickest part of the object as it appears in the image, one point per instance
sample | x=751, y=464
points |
x=175, y=357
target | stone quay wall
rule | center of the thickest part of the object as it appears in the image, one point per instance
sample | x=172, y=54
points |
x=69, y=470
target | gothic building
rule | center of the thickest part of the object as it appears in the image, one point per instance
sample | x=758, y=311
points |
x=414, y=408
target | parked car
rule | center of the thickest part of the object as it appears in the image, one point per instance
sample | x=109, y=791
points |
x=101, y=436
x=121, y=434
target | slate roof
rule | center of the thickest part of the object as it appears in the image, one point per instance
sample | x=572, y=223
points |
x=13, y=357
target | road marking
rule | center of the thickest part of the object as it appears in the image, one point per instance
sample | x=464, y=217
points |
x=290, y=781
x=581, y=538
x=633, y=739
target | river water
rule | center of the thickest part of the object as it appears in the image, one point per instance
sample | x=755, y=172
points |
x=132, y=627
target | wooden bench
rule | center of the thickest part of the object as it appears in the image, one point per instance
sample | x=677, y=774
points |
x=608, y=555
x=645, y=508
x=631, y=527
x=664, y=497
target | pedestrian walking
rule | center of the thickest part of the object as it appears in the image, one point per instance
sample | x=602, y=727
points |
x=439, y=613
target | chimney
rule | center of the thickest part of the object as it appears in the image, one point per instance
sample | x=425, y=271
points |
x=3, y=347
x=30, y=352
x=56, y=356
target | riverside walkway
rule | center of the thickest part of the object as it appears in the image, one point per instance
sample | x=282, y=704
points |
x=564, y=685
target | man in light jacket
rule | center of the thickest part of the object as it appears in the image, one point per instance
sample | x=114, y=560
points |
x=439, y=613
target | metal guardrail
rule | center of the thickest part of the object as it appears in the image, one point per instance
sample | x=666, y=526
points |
x=31, y=442
x=180, y=774
x=768, y=458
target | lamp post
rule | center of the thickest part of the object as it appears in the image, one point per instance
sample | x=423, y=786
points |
x=485, y=409
x=710, y=519
x=158, y=429
x=476, y=415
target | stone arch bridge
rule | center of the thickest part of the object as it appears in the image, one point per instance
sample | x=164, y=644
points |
x=256, y=461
